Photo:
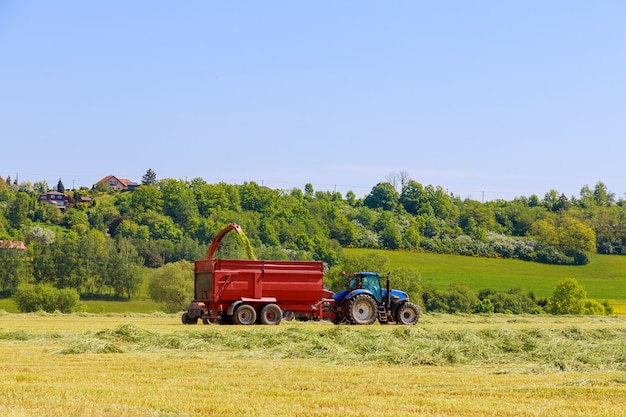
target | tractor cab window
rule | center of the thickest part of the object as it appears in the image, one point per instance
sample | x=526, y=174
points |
x=354, y=283
x=372, y=283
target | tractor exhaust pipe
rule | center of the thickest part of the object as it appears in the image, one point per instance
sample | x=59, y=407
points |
x=388, y=298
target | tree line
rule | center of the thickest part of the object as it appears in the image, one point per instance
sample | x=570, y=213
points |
x=104, y=247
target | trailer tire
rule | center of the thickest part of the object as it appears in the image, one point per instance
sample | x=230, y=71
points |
x=362, y=309
x=244, y=314
x=288, y=315
x=408, y=313
x=271, y=314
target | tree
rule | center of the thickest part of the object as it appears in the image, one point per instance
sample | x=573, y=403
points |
x=122, y=267
x=440, y=203
x=568, y=297
x=602, y=196
x=267, y=233
x=574, y=235
x=351, y=198
x=12, y=267
x=41, y=186
x=147, y=197
x=172, y=285
x=308, y=190
x=545, y=232
x=179, y=202
x=400, y=178
x=41, y=236
x=586, y=199
x=383, y=196
x=388, y=230
x=413, y=197
x=257, y=198
x=149, y=178
x=60, y=186
x=17, y=210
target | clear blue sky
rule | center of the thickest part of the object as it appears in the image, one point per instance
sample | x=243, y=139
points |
x=508, y=98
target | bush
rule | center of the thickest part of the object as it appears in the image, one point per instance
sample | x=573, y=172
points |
x=457, y=298
x=42, y=297
x=513, y=301
x=568, y=297
x=553, y=256
x=579, y=257
x=172, y=285
x=408, y=280
x=484, y=306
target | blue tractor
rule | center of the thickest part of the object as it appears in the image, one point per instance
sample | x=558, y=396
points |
x=364, y=300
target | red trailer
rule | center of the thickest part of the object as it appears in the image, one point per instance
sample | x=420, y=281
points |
x=251, y=291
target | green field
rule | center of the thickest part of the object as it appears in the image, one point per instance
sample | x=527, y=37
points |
x=604, y=277
x=461, y=366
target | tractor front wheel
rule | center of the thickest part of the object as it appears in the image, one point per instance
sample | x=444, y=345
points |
x=186, y=319
x=408, y=313
x=244, y=314
x=362, y=309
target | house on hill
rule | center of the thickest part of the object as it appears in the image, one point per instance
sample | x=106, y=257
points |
x=115, y=183
x=54, y=197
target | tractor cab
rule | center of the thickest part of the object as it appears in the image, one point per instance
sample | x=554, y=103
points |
x=369, y=281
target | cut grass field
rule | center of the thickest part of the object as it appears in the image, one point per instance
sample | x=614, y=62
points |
x=151, y=365
x=604, y=277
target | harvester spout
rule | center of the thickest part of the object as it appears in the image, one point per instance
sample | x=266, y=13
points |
x=219, y=237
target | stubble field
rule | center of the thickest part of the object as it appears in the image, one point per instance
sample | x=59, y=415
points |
x=151, y=365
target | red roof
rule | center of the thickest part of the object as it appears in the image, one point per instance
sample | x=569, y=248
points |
x=8, y=244
x=125, y=182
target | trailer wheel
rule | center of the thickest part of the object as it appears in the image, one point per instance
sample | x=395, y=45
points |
x=408, y=313
x=244, y=314
x=288, y=315
x=362, y=309
x=271, y=314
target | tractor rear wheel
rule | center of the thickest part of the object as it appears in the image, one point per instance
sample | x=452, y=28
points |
x=362, y=309
x=408, y=313
x=244, y=314
x=271, y=314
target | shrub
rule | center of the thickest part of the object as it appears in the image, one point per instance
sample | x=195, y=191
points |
x=457, y=298
x=172, y=285
x=67, y=300
x=408, y=280
x=579, y=257
x=42, y=297
x=568, y=297
x=553, y=256
x=484, y=306
x=514, y=301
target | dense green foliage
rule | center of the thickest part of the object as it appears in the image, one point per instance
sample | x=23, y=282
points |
x=43, y=297
x=171, y=285
x=100, y=247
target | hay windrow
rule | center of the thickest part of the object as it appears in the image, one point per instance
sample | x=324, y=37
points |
x=567, y=348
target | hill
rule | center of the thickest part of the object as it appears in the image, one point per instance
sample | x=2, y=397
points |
x=604, y=277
